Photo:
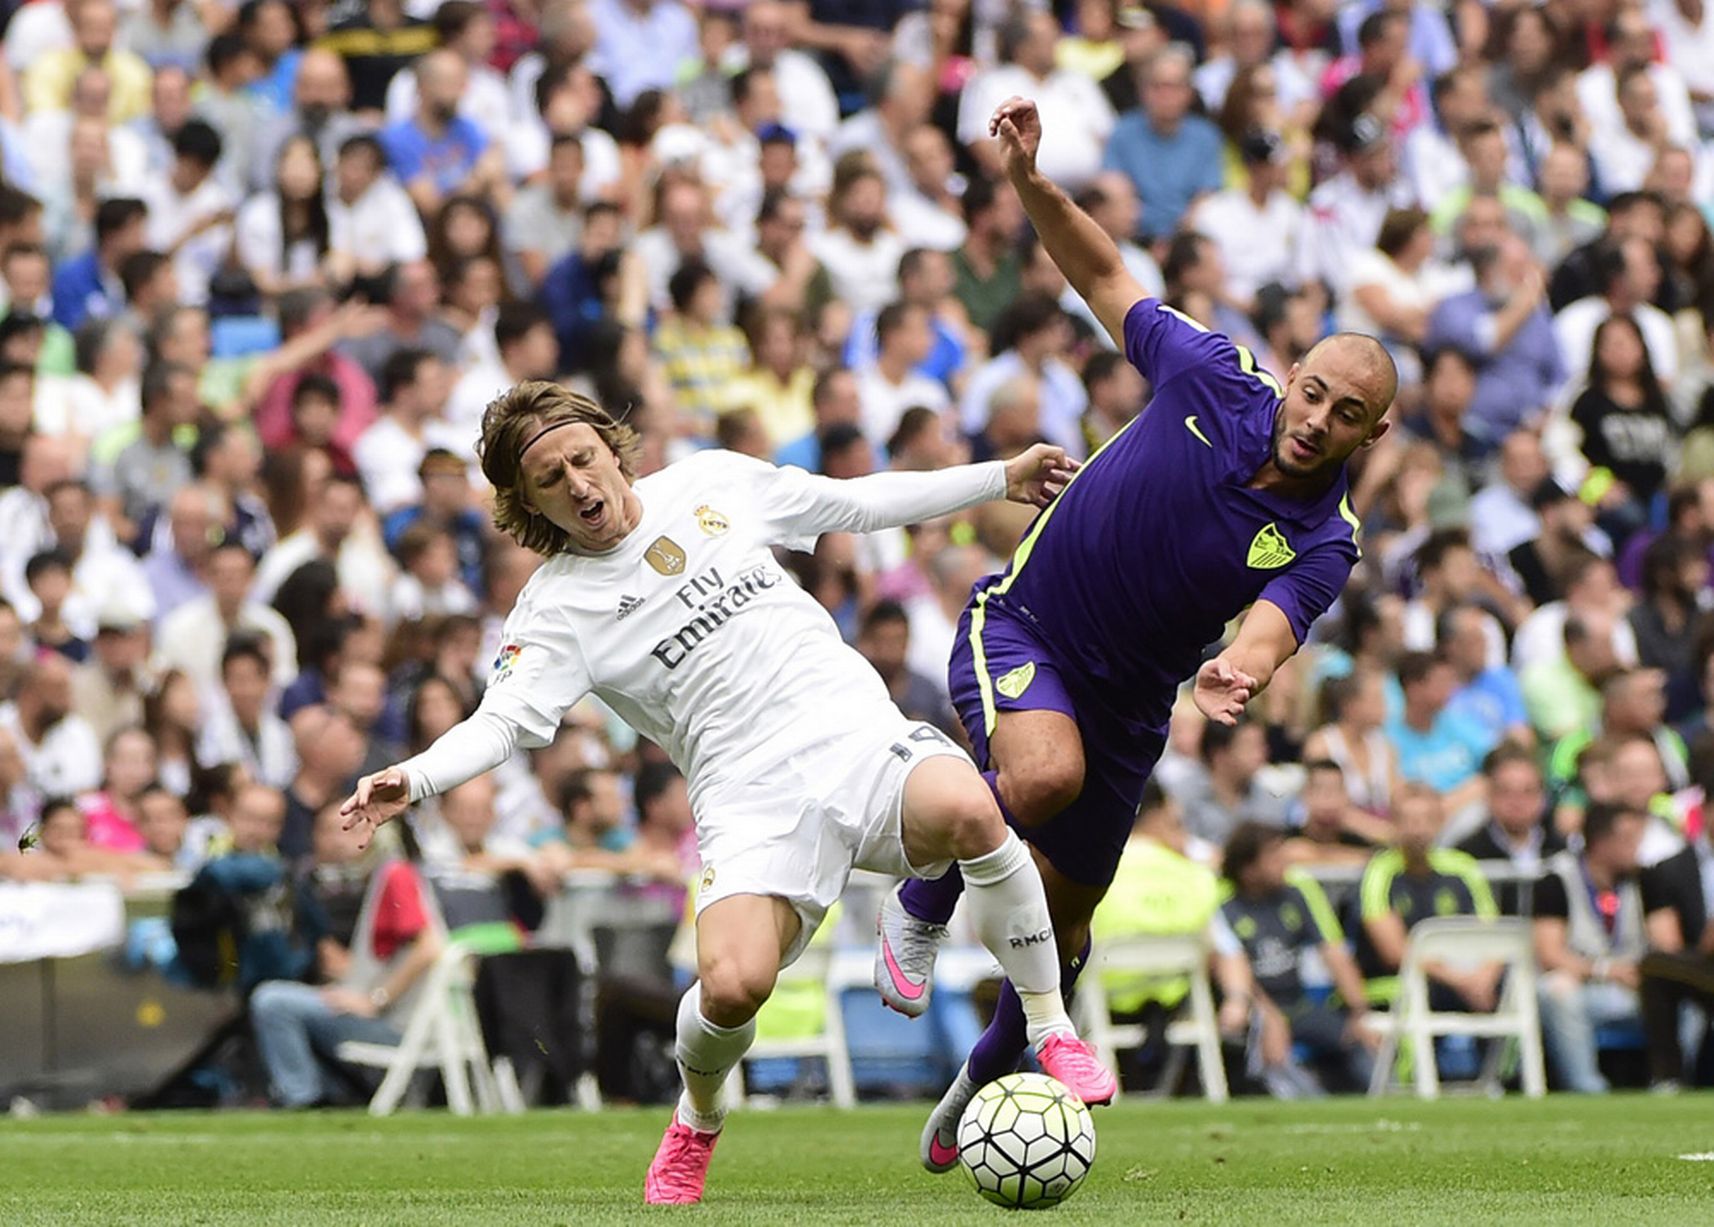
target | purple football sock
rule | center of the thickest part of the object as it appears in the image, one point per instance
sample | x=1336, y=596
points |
x=997, y=1050
x=932, y=902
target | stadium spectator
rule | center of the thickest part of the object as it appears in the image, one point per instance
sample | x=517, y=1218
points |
x=299, y=1027
x=884, y=639
x=1346, y=211
x=1589, y=937
x=1436, y=747
x=240, y=725
x=1408, y=883
x=326, y=748
x=988, y=267
x=1503, y=327
x=108, y=690
x=894, y=382
x=1329, y=830
x=1352, y=737
x=1226, y=791
x=1514, y=828
x=1678, y=900
x=1279, y=916
x=1071, y=105
x=1488, y=693
x=1170, y=154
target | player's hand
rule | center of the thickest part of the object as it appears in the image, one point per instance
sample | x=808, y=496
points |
x=1221, y=690
x=1017, y=125
x=379, y=799
x=1038, y=474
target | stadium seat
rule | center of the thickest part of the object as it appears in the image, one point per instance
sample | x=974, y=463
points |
x=815, y=966
x=442, y=1031
x=1463, y=940
x=1165, y=957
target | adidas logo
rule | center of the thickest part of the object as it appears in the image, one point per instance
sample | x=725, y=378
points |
x=629, y=605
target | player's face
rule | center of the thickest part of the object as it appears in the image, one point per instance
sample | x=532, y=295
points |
x=573, y=478
x=1326, y=415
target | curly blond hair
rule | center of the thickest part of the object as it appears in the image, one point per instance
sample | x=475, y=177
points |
x=511, y=420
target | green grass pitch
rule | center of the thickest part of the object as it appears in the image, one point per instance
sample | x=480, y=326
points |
x=1471, y=1163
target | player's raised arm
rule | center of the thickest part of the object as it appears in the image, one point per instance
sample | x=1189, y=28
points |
x=1085, y=254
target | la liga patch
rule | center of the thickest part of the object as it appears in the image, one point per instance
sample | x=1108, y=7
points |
x=508, y=656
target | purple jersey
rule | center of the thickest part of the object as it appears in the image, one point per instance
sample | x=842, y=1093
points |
x=1159, y=542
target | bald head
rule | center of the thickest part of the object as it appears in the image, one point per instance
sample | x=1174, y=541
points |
x=1360, y=357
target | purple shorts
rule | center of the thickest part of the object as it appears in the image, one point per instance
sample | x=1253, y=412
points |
x=1001, y=663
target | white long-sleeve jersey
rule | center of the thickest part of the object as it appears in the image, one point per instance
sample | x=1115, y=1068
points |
x=691, y=631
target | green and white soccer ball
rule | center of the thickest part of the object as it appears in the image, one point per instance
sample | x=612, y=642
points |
x=1026, y=1141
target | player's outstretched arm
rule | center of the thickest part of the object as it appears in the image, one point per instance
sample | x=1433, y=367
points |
x=1085, y=254
x=812, y=504
x=1225, y=684
x=463, y=752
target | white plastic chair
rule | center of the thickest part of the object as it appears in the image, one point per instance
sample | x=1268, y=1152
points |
x=1164, y=957
x=442, y=1033
x=816, y=966
x=1463, y=940
x=441, y=1028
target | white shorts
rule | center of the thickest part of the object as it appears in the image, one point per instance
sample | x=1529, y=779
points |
x=799, y=832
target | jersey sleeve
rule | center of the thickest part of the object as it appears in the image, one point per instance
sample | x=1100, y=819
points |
x=1376, y=892
x=796, y=507
x=1161, y=341
x=1308, y=587
x=539, y=673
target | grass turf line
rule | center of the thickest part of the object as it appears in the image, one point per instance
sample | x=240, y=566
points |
x=1562, y=1161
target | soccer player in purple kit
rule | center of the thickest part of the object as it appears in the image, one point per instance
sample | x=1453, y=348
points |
x=1228, y=492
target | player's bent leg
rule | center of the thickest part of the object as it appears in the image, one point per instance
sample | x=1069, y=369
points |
x=949, y=814
x=740, y=941
x=1038, y=760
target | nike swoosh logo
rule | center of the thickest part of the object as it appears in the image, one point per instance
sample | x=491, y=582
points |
x=940, y=1154
x=1190, y=424
x=901, y=982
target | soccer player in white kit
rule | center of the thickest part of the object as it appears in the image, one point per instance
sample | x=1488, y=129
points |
x=662, y=596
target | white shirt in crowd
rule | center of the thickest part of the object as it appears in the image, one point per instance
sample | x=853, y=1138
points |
x=740, y=267
x=192, y=639
x=1257, y=245
x=885, y=402
x=379, y=227
x=173, y=216
x=1598, y=94
x=272, y=758
x=388, y=459
x=365, y=571
x=261, y=241
x=1689, y=49
x=927, y=224
x=1072, y=107
x=864, y=275
x=1343, y=220
x=1576, y=325
x=808, y=105
x=1061, y=393
x=66, y=761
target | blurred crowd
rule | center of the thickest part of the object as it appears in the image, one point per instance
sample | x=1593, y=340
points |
x=262, y=267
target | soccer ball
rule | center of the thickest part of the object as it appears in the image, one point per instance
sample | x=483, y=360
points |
x=1026, y=1141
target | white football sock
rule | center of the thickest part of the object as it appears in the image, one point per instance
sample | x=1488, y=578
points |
x=1008, y=908
x=706, y=1054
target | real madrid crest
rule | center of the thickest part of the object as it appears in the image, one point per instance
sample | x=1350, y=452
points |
x=711, y=521
x=666, y=556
